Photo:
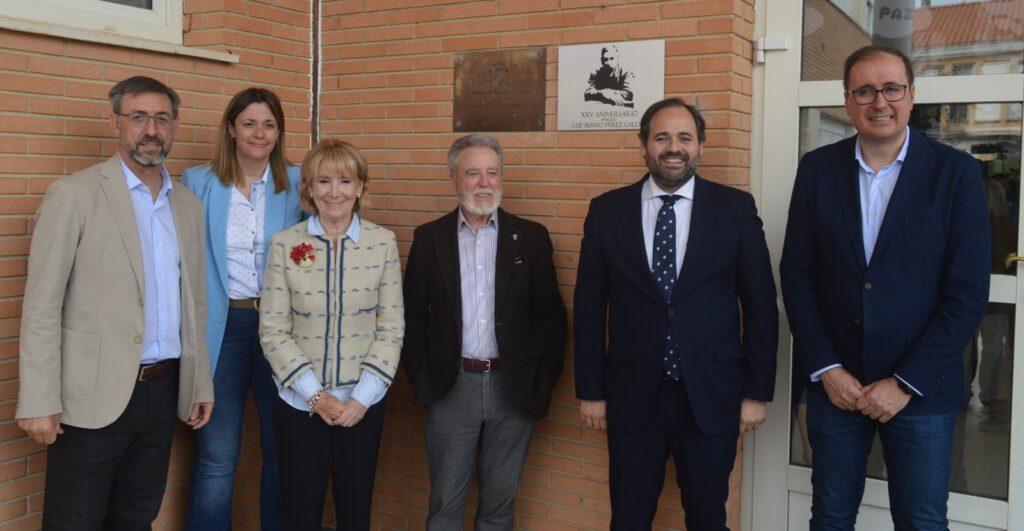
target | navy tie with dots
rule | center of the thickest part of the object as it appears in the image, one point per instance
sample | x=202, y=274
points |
x=664, y=270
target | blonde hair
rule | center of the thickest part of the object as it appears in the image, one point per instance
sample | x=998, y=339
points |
x=332, y=156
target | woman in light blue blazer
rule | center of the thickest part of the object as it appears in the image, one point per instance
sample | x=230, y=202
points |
x=249, y=192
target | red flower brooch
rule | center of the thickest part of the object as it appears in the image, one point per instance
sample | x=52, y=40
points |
x=302, y=255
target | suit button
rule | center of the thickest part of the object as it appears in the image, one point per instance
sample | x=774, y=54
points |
x=856, y=322
x=138, y=340
x=140, y=302
x=671, y=311
x=867, y=285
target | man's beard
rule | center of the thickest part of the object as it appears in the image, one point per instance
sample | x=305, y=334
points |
x=147, y=161
x=672, y=179
x=466, y=199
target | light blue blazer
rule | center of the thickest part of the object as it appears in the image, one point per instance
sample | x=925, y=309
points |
x=282, y=211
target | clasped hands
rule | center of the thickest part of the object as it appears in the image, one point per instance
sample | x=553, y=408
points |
x=334, y=412
x=881, y=400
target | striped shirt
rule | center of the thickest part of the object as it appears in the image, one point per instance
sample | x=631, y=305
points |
x=478, y=251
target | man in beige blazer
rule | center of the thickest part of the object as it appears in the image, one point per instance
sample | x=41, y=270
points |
x=113, y=323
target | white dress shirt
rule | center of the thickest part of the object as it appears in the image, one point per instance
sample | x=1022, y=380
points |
x=246, y=248
x=651, y=204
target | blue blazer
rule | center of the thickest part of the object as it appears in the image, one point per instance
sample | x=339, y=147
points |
x=726, y=263
x=282, y=211
x=917, y=305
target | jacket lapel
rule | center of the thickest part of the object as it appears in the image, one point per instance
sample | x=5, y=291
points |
x=217, y=219
x=508, y=248
x=702, y=219
x=274, y=211
x=632, y=225
x=917, y=166
x=116, y=191
x=847, y=180
x=447, y=246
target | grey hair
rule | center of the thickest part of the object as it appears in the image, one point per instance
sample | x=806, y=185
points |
x=470, y=141
x=138, y=85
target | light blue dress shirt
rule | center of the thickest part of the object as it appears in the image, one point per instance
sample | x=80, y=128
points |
x=161, y=268
x=369, y=390
x=875, y=191
x=478, y=252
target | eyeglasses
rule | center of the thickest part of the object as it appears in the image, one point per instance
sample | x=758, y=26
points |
x=867, y=95
x=140, y=119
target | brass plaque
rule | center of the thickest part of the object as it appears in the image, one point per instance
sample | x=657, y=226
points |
x=500, y=90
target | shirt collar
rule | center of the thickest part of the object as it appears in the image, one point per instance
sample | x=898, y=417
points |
x=859, y=154
x=134, y=182
x=314, y=228
x=651, y=189
x=493, y=221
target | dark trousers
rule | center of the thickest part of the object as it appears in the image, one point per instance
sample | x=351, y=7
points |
x=637, y=465
x=113, y=478
x=309, y=452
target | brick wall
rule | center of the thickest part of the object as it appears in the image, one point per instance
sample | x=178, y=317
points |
x=53, y=121
x=829, y=36
x=387, y=87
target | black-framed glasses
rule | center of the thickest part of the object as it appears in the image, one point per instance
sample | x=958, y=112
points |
x=866, y=95
x=140, y=119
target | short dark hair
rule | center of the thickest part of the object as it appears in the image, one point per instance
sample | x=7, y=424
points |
x=871, y=50
x=139, y=85
x=645, y=122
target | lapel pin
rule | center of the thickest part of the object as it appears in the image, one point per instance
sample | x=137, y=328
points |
x=515, y=236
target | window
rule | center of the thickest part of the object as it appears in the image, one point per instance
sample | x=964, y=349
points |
x=153, y=20
x=987, y=112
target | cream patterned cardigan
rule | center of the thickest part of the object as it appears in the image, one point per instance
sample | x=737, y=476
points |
x=340, y=314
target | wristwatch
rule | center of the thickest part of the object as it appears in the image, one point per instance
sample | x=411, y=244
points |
x=905, y=388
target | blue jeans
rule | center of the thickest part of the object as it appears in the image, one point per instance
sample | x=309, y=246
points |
x=917, y=450
x=241, y=366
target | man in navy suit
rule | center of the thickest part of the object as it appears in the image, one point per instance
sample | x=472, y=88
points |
x=885, y=274
x=676, y=376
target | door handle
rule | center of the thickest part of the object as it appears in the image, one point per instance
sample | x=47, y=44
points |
x=1011, y=258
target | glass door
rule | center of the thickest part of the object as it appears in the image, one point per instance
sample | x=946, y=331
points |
x=969, y=64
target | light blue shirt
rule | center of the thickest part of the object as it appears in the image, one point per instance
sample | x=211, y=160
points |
x=369, y=390
x=161, y=268
x=478, y=252
x=245, y=240
x=875, y=191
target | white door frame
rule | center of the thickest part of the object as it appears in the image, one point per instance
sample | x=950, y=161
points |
x=779, y=94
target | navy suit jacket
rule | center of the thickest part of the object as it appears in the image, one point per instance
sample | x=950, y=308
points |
x=726, y=263
x=914, y=308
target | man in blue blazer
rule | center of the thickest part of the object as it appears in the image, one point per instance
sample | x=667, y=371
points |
x=675, y=375
x=885, y=275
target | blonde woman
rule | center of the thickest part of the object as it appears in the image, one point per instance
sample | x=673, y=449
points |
x=331, y=321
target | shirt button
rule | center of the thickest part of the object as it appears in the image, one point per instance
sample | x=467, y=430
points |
x=138, y=340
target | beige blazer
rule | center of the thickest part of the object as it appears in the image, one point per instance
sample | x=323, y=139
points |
x=340, y=315
x=81, y=324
